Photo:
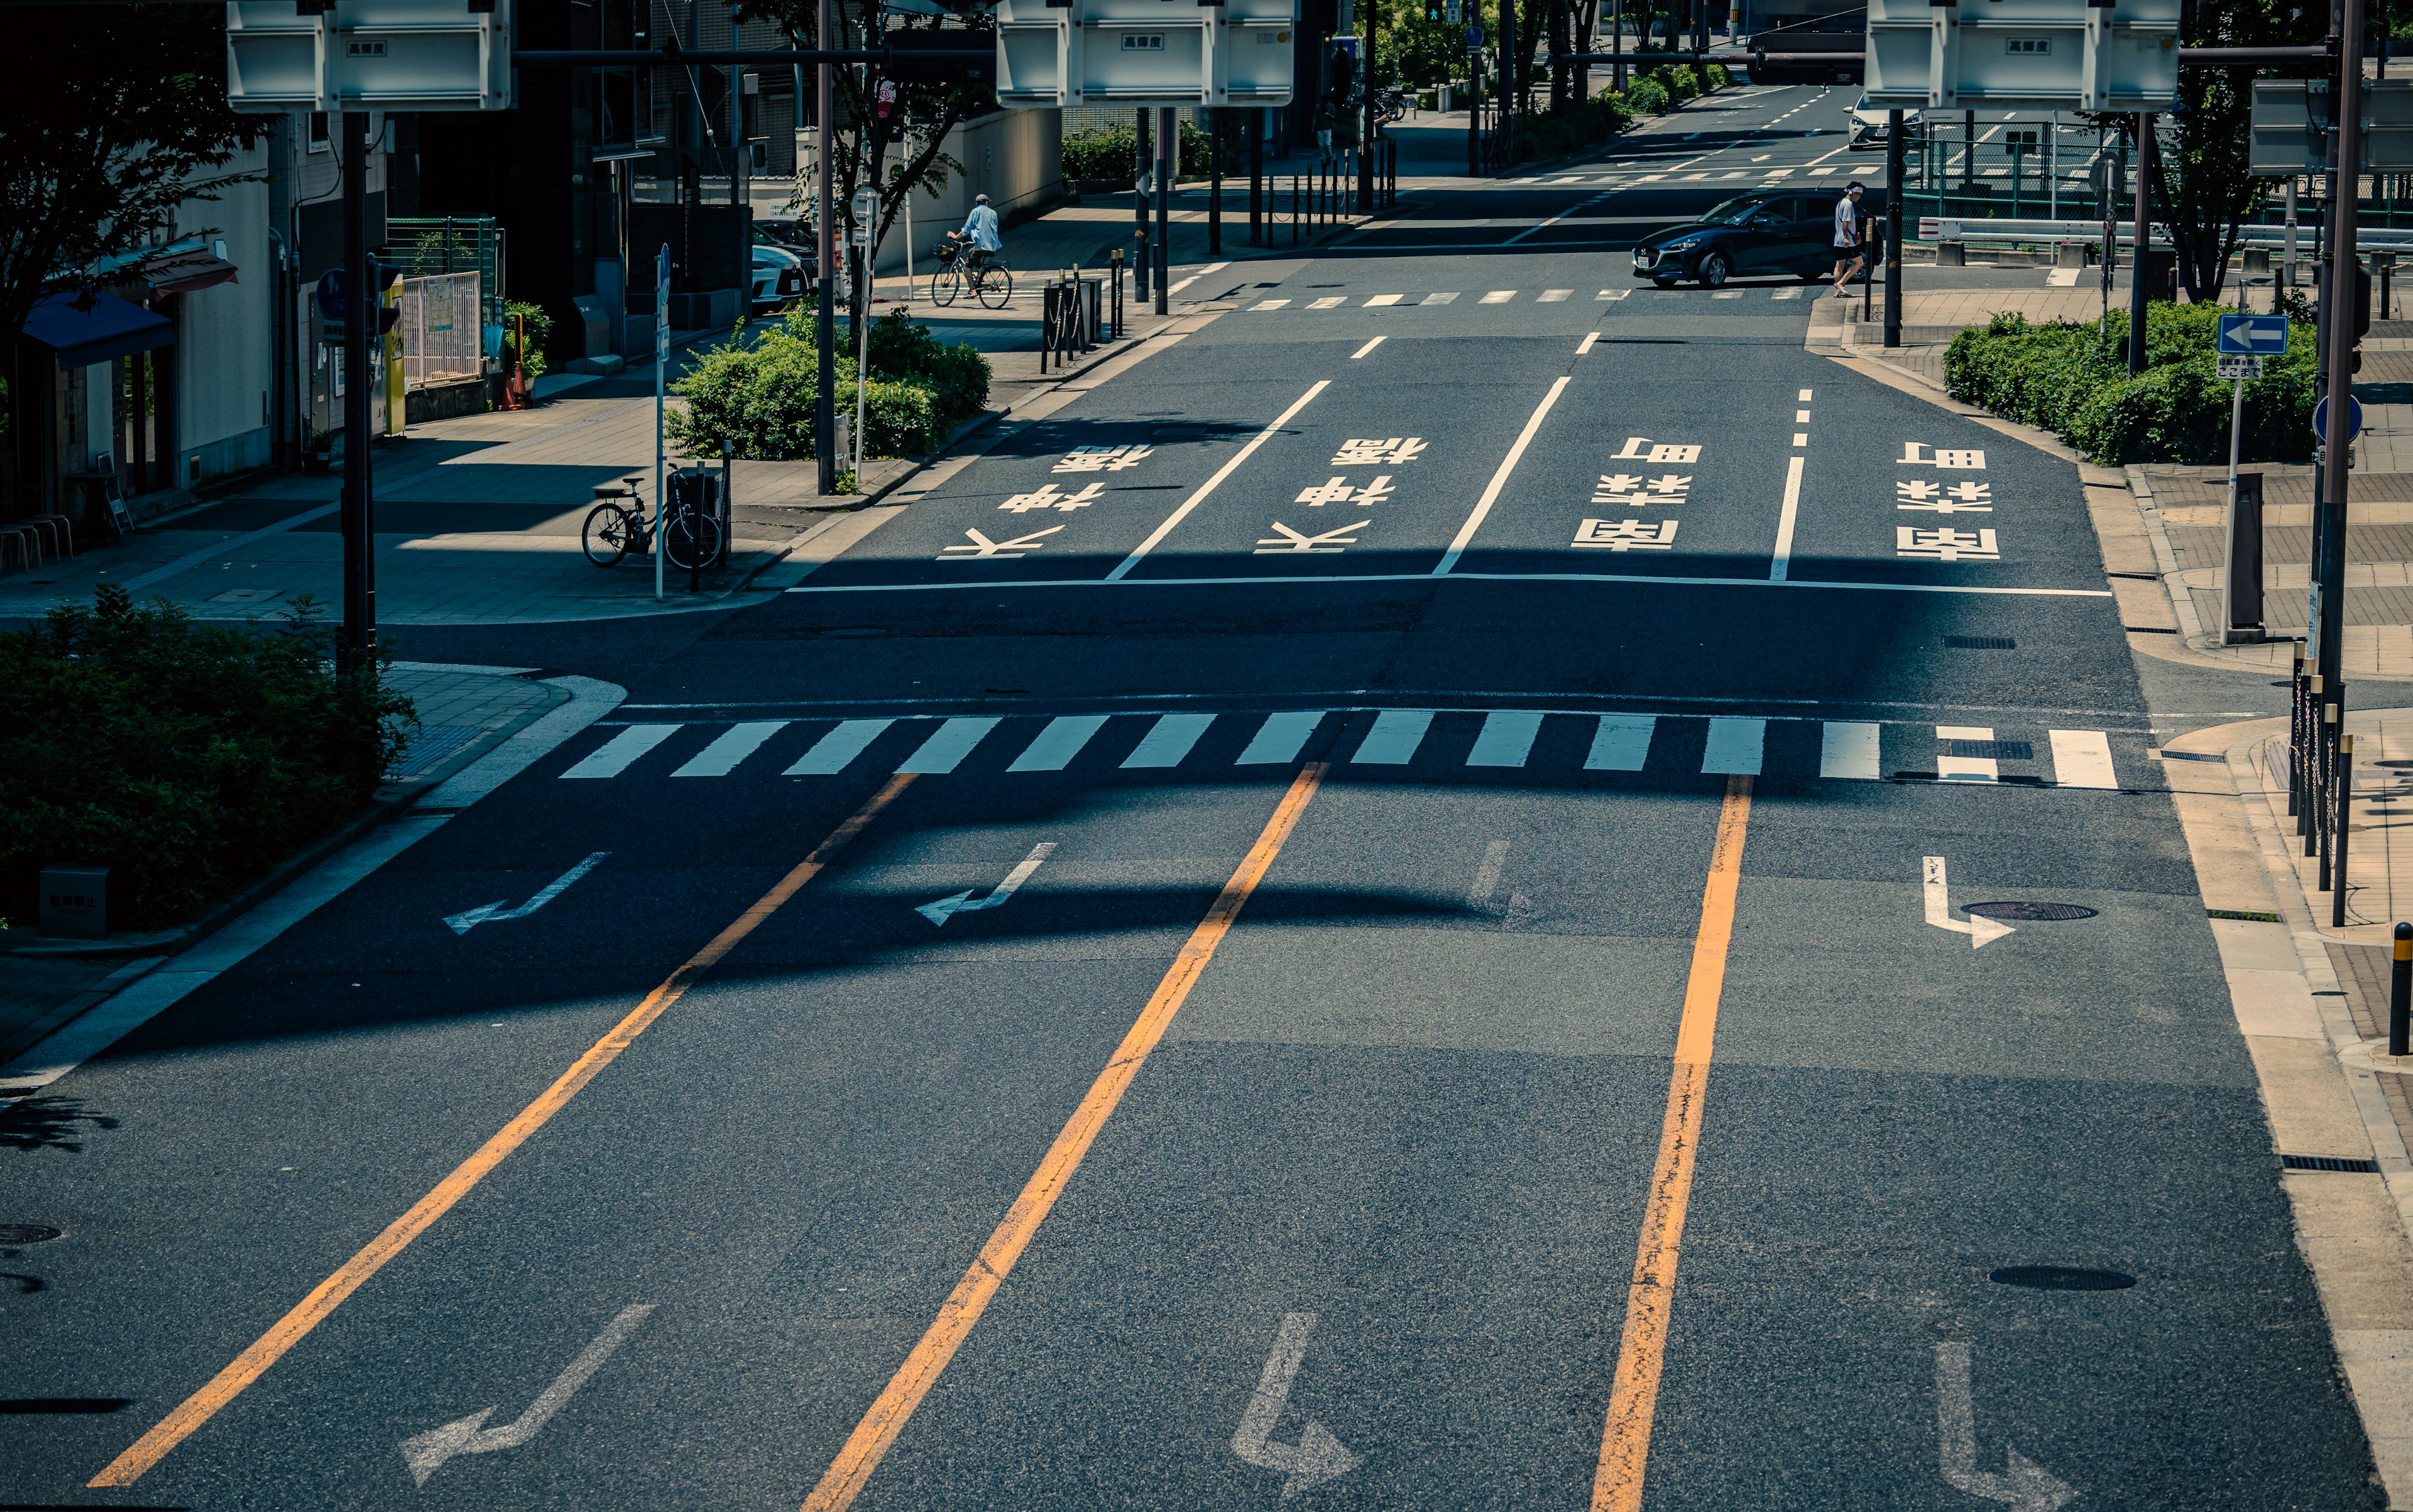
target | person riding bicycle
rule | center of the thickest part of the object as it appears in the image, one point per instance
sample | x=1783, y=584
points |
x=980, y=229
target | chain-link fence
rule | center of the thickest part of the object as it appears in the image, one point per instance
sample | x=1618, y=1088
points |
x=440, y=329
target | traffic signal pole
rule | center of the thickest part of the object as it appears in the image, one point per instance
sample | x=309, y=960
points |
x=2342, y=319
x=1895, y=148
x=824, y=267
x=357, y=647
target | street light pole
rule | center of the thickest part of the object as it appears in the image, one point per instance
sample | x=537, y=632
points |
x=358, y=646
x=2337, y=308
x=824, y=263
x=2137, y=265
x=1894, y=150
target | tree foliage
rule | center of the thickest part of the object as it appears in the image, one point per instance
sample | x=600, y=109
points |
x=117, y=117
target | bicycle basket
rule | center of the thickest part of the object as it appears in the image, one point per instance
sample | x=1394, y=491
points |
x=946, y=252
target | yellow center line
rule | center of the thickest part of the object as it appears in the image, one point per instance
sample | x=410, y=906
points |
x=329, y=1294
x=1626, y=1442
x=868, y=1444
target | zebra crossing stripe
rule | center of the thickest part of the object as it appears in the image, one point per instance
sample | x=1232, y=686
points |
x=2082, y=758
x=1279, y=737
x=1621, y=743
x=1735, y=747
x=1507, y=739
x=948, y=746
x=1849, y=749
x=1058, y=743
x=614, y=755
x=1395, y=738
x=736, y=744
x=833, y=751
x=1168, y=740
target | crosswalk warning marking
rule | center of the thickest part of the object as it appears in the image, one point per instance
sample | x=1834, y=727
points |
x=1507, y=739
x=1849, y=749
x=614, y=755
x=1269, y=304
x=1058, y=743
x=833, y=751
x=2082, y=758
x=1621, y=743
x=1612, y=294
x=1327, y=301
x=1736, y=746
x=736, y=744
x=1438, y=299
x=1498, y=296
x=1169, y=740
x=1395, y=738
x=1554, y=296
x=1279, y=737
x=948, y=746
x=1377, y=301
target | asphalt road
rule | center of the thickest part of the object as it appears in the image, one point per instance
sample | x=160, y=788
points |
x=1500, y=763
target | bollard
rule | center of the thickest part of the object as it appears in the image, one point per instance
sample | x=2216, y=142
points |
x=2344, y=810
x=2296, y=738
x=2324, y=783
x=2305, y=821
x=2400, y=991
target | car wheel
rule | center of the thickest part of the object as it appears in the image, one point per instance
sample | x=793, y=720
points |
x=1714, y=271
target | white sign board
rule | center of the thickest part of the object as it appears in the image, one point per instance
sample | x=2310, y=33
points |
x=2229, y=366
x=2052, y=54
x=1135, y=53
x=2285, y=143
x=369, y=55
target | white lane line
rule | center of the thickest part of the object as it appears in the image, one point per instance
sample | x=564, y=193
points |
x=2082, y=758
x=1584, y=345
x=1786, y=293
x=1363, y=350
x=1735, y=746
x=1507, y=739
x=736, y=744
x=1950, y=768
x=1375, y=302
x=1487, y=876
x=1498, y=296
x=1848, y=748
x=1168, y=740
x=833, y=751
x=1058, y=743
x=1438, y=299
x=1554, y=296
x=1498, y=480
x=1395, y=738
x=1222, y=472
x=1269, y=304
x=1781, y=563
x=1285, y=579
x=1612, y=293
x=1279, y=737
x=1327, y=301
x=948, y=746
x=614, y=756
x=1621, y=743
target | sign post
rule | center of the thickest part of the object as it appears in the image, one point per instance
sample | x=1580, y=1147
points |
x=661, y=365
x=2240, y=345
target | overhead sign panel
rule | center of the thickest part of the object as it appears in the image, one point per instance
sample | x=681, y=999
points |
x=369, y=55
x=1134, y=53
x=2051, y=54
x=2288, y=141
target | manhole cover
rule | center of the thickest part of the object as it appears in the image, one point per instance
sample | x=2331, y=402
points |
x=25, y=1234
x=2031, y=913
x=2061, y=1277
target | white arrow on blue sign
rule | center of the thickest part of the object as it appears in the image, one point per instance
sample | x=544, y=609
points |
x=2253, y=336
x=2353, y=419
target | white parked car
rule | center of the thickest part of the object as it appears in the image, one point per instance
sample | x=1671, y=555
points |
x=1869, y=128
x=779, y=276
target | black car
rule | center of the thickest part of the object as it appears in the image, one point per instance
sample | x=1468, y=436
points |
x=1754, y=235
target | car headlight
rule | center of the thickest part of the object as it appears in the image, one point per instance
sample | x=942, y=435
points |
x=1684, y=245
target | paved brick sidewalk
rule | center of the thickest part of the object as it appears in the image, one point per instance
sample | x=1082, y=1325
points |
x=463, y=712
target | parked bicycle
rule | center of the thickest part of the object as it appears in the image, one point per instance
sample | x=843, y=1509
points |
x=989, y=281
x=616, y=527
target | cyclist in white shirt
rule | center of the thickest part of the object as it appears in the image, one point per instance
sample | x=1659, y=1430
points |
x=1849, y=259
x=979, y=227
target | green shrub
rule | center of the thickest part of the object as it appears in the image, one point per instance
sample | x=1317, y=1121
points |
x=1579, y=123
x=539, y=326
x=759, y=395
x=1648, y=96
x=1683, y=83
x=186, y=758
x=1100, y=151
x=1718, y=76
x=2072, y=381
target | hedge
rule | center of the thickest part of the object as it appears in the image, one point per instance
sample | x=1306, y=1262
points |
x=1555, y=133
x=760, y=396
x=2072, y=381
x=186, y=758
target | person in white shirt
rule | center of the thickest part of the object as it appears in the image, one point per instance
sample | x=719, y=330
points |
x=980, y=229
x=1849, y=259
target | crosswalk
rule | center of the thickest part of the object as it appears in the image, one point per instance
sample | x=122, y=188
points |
x=1509, y=296
x=1481, y=739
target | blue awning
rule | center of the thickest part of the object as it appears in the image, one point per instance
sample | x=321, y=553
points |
x=85, y=329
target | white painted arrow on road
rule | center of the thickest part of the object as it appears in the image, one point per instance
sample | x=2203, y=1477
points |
x=1939, y=910
x=490, y=912
x=955, y=903
x=426, y=1454
x=1317, y=1457
x=2024, y=1486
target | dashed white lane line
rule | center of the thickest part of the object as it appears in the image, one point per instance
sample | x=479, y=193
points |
x=1584, y=345
x=1378, y=301
x=1363, y=350
x=1781, y=563
x=1154, y=537
x=1498, y=296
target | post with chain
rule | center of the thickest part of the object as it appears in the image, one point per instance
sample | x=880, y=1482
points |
x=2340, y=827
x=2400, y=991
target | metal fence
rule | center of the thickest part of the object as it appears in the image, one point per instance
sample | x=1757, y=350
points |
x=440, y=327
x=426, y=245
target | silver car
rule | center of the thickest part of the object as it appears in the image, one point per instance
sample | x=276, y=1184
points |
x=1869, y=128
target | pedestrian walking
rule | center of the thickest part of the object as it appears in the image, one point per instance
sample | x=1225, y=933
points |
x=1851, y=230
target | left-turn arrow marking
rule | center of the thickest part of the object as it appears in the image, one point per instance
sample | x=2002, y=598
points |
x=426, y=1454
x=946, y=908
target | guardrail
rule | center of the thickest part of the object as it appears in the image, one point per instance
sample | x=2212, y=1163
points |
x=2006, y=229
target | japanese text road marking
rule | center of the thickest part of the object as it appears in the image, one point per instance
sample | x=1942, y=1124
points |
x=1156, y=536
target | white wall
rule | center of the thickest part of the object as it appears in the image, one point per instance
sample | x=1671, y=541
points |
x=1015, y=158
x=222, y=334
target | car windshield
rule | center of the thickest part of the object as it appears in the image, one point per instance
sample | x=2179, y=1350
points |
x=1732, y=212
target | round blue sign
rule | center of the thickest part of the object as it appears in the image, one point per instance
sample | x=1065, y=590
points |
x=331, y=294
x=2353, y=419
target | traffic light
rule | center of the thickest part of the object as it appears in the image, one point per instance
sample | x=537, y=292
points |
x=1436, y=11
x=387, y=275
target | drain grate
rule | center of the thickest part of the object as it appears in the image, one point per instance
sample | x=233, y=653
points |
x=2000, y=751
x=2033, y=913
x=26, y=1234
x=2061, y=1278
x=2329, y=1163
x=1980, y=643
x=433, y=744
x=2240, y=913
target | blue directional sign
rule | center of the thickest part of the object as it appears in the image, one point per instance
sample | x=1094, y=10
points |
x=2253, y=336
x=2353, y=419
x=331, y=294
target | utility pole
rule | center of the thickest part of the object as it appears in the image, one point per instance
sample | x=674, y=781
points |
x=2138, y=263
x=359, y=643
x=1143, y=170
x=1366, y=133
x=1894, y=150
x=824, y=261
x=2341, y=318
x=1168, y=168
x=1508, y=101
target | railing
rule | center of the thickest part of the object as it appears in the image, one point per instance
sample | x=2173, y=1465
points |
x=2320, y=781
x=1069, y=317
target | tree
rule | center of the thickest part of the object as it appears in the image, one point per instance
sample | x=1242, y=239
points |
x=869, y=121
x=115, y=120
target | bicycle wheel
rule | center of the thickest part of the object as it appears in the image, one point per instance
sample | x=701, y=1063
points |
x=692, y=540
x=996, y=285
x=607, y=534
x=943, y=285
